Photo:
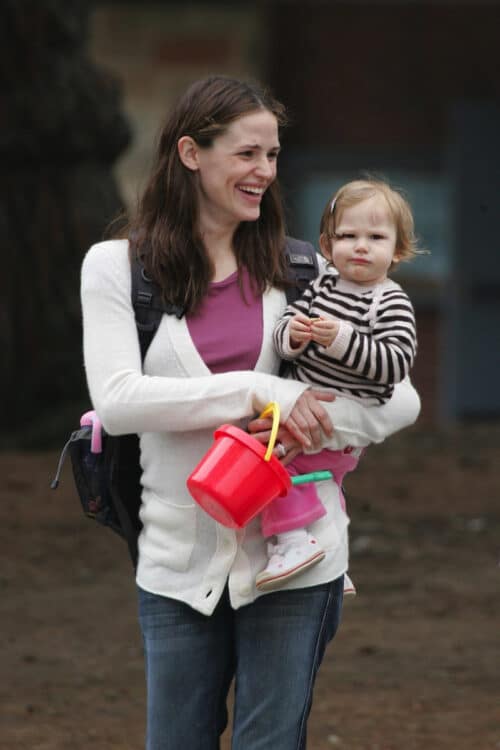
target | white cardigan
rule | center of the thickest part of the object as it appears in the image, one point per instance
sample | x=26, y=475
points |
x=175, y=405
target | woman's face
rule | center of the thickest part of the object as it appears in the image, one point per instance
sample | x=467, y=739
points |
x=236, y=169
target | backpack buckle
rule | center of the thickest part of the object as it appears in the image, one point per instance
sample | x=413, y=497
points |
x=296, y=259
x=144, y=299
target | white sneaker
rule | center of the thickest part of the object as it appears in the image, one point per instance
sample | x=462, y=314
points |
x=349, y=587
x=287, y=561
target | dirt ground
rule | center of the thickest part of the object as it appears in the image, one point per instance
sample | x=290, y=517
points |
x=416, y=664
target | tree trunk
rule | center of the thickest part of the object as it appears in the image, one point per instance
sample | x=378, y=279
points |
x=62, y=130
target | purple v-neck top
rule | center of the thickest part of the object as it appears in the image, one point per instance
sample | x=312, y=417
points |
x=227, y=329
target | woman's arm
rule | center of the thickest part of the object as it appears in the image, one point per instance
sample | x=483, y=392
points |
x=353, y=423
x=129, y=401
x=358, y=425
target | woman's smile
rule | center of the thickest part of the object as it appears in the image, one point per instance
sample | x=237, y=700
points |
x=251, y=193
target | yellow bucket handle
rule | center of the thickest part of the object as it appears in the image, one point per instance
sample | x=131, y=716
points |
x=274, y=409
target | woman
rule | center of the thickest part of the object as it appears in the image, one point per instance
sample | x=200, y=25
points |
x=209, y=229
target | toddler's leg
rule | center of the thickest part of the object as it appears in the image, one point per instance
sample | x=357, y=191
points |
x=295, y=552
x=300, y=507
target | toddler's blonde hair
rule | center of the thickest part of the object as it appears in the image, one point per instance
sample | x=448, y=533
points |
x=357, y=191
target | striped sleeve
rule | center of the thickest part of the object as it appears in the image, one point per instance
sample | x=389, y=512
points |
x=281, y=336
x=386, y=354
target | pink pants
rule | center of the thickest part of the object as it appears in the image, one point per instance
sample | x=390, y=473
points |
x=301, y=506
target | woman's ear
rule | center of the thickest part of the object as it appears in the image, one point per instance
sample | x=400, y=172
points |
x=325, y=244
x=188, y=152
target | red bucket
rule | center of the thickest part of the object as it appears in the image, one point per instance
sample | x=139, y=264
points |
x=237, y=477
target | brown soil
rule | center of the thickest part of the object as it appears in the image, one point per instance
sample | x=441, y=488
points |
x=414, y=666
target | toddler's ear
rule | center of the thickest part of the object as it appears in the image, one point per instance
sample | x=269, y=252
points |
x=325, y=245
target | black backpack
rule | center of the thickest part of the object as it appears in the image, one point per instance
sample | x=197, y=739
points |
x=108, y=482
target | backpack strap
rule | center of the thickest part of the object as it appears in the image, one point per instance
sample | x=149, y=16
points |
x=302, y=268
x=302, y=264
x=148, y=305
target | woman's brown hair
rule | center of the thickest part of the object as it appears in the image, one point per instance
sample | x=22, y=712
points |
x=164, y=231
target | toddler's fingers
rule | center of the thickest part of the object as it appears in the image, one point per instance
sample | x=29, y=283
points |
x=301, y=318
x=321, y=324
x=299, y=327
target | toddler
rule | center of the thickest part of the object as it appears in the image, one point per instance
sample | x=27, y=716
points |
x=353, y=330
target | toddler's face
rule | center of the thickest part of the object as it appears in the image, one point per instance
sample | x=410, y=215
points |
x=364, y=246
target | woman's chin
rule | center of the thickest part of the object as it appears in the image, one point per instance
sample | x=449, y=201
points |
x=250, y=214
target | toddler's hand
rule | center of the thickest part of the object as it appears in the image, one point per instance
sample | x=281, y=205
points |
x=299, y=330
x=324, y=330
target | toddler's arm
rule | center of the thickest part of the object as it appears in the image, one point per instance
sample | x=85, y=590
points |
x=386, y=355
x=292, y=331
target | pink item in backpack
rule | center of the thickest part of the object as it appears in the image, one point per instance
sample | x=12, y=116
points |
x=91, y=418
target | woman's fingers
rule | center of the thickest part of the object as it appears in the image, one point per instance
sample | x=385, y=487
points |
x=263, y=436
x=260, y=429
x=300, y=431
x=306, y=424
x=260, y=426
x=309, y=419
x=291, y=455
x=320, y=412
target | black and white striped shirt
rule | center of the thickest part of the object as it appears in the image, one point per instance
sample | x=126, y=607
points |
x=374, y=348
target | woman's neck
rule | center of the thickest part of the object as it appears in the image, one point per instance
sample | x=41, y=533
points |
x=218, y=243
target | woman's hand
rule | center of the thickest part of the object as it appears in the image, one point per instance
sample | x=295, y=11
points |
x=286, y=446
x=303, y=428
x=308, y=419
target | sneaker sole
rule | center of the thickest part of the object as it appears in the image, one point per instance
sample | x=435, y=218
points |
x=273, y=582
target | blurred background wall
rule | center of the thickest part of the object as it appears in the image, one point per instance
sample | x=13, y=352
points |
x=405, y=90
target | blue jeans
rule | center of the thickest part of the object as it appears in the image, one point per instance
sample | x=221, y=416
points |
x=273, y=647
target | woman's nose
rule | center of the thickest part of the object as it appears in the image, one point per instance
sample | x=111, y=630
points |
x=265, y=168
